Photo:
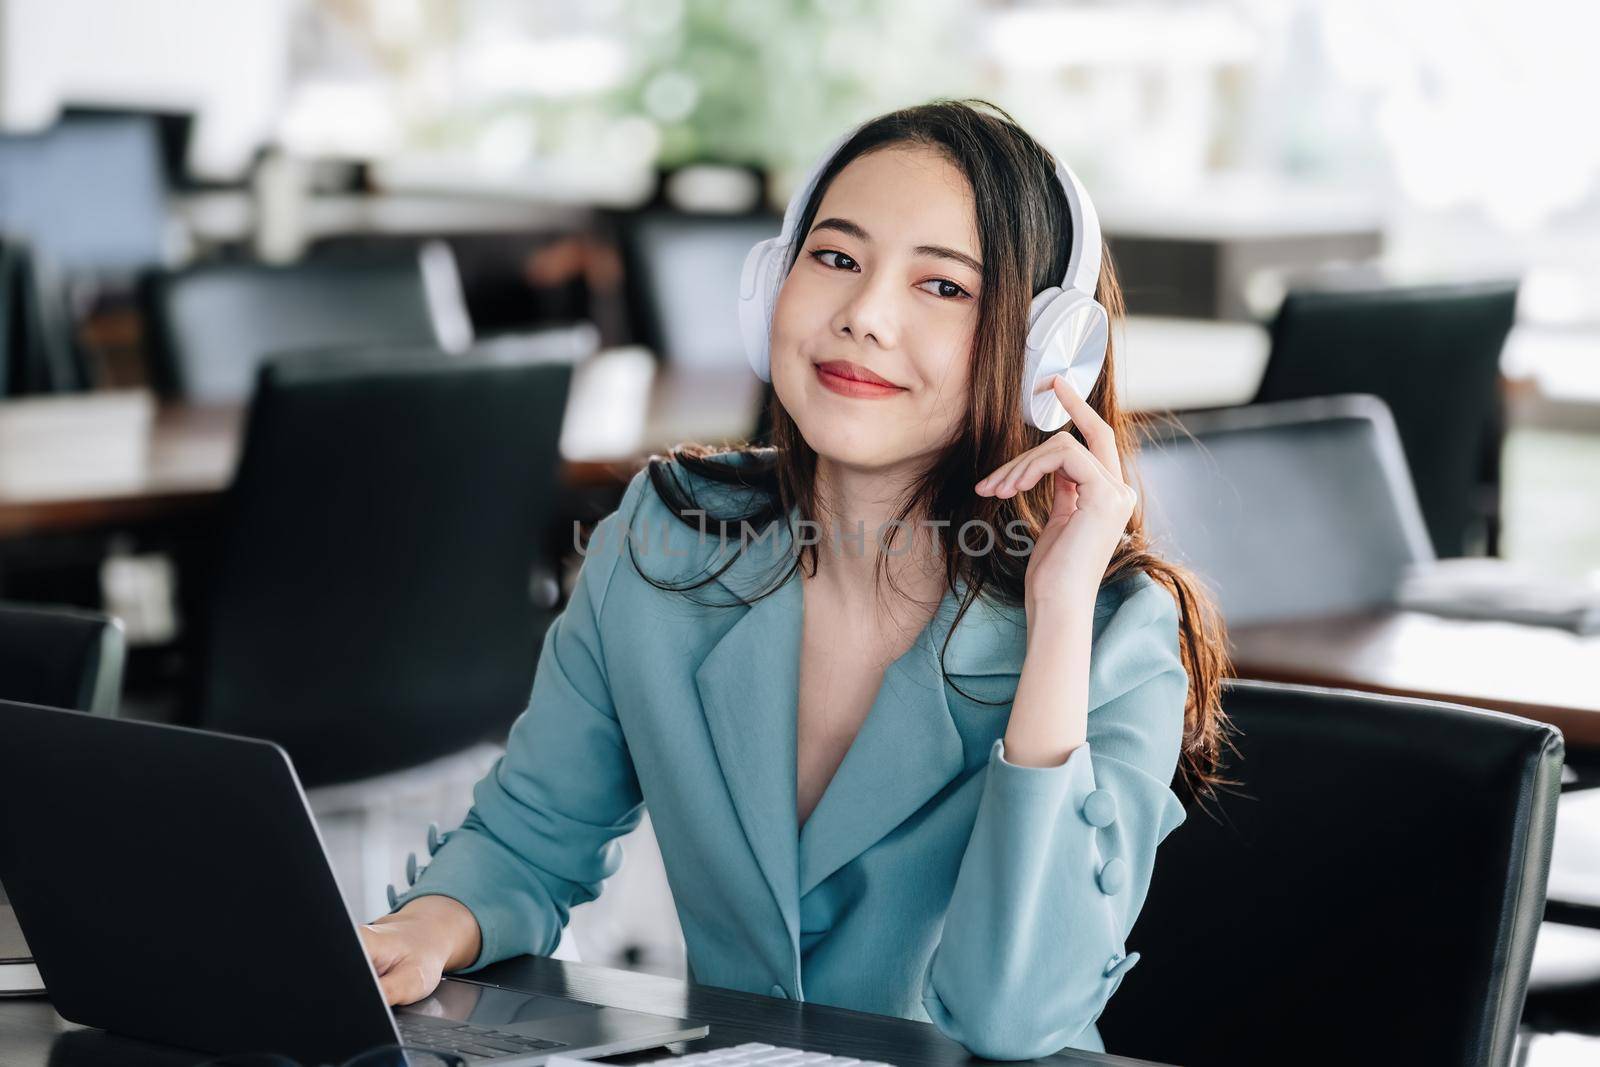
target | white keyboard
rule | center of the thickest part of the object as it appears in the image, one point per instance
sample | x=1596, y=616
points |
x=752, y=1054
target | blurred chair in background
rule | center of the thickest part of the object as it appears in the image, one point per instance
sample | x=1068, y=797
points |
x=1296, y=509
x=1307, y=917
x=213, y=324
x=1564, y=985
x=1304, y=508
x=37, y=354
x=380, y=587
x=89, y=192
x=682, y=278
x=516, y=281
x=1432, y=354
x=60, y=658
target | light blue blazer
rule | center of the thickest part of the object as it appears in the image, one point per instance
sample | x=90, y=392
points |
x=933, y=881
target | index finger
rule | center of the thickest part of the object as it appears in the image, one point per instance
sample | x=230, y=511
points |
x=1097, y=433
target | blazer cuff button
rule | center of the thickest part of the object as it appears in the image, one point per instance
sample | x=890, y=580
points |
x=1119, y=964
x=1100, y=808
x=1113, y=876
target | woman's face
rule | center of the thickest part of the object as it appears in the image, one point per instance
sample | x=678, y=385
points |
x=887, y=282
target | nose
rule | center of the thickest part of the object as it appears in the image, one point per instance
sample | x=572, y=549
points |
x=870, y=312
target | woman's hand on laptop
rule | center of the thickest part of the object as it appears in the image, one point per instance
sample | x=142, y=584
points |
x=413, y=947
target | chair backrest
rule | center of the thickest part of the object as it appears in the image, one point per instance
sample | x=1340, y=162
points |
x=1432, y=353
x=37, y=354
x=1289, y=510
x=214, y=324
x=683, y=271
x=61, y=657
x=13, y=341
x=88, y=192
x=1370, y=891
x=378, y=594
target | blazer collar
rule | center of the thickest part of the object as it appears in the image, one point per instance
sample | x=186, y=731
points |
x=908, y=748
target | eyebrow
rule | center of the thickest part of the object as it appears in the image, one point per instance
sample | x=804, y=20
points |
x=850, y=229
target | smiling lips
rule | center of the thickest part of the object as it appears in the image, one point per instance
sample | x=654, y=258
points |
x=852, y=379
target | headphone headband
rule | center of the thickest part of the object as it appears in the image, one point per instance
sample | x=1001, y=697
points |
x=1083, y=264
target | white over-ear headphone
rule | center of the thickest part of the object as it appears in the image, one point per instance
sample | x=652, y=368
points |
x=1067, y=327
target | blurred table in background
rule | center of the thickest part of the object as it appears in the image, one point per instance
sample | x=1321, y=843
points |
x=619, y=410
x=623, y=406
x=187, y=460
x=1173, y=364
x=1539, y=672
x=1227, y=250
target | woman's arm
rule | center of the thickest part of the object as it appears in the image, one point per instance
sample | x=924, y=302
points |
x=539, y=837
x=1050, y=712
x=1061, y=853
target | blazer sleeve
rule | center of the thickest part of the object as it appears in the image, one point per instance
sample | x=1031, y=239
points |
x=1060, y=858
x=540, y=836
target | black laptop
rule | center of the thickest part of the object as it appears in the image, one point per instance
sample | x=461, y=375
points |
x=173, y=887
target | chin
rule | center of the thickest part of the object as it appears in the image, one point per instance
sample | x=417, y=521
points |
x=851, y=440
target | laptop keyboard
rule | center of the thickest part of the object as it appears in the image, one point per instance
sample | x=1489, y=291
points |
x=756, y=1054
x=464, y=1039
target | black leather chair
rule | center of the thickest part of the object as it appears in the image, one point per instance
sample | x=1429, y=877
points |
x=214, y=324
x=380, y=585
x=1289, y=510
x=1369, y=893
x=62, y=658
x=1432, y=353
x=36, y=350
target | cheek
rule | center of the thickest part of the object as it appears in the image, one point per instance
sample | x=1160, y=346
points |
x=797, y=320
x=945, y=365
x=797, y=310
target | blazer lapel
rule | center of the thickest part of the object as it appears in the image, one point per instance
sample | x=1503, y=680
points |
x=909, y=747
x=748, y=685
x=907, y=750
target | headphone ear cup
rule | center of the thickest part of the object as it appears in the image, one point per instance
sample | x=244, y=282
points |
x=1067, y=337
x=757, y=291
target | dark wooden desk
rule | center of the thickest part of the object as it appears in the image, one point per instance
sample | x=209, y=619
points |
x=1535, y=671
x=33, y=1035
x=1166, y=364
x=192, y=452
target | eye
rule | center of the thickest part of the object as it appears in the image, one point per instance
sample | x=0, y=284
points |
x=948, y=290
x=844, y=262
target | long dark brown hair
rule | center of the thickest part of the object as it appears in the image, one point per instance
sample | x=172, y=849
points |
x=1024, y=231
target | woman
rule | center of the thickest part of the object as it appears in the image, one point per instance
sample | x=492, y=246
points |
x=904, y=768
